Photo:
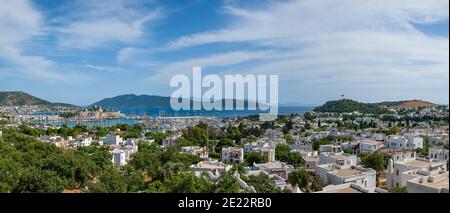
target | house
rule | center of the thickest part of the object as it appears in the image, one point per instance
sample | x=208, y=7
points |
x=399, y=154
x=311, y=162
x=113, y=140
x=213, y=168
x=429, y=183
x=171, y=140
x=405, y=142
x=275, y=167
x=338, y=158
x=398, y=173
x=268, y=153
x=84, y=141
x=232, y=155
x=339, y=174
x=330, y=148
x=369, y=146
x=119, y=157
x=201, y=152
x=438, y=153
x=311, y=158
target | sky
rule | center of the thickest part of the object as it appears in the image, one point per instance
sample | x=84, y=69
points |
x=79, y=51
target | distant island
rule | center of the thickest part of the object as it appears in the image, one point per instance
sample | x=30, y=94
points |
x=348, y=105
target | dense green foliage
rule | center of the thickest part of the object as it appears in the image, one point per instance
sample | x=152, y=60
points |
x=398, y=190
x=263, y=184
x=299, y=178
x=348, y=106
x=254, y=157
x=34, y=166
x=376, y=160
x=283, y=153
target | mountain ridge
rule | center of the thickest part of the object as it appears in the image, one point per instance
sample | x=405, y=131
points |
x=19, y=98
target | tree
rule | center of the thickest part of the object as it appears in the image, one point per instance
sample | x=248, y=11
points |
x=40, y=181
x=227, y=183
x=134, y=179
x=322, y=141
x=393, y=130
x=288, y=137
x=309, y=116
x=254, y=157
x=187, y=182
x=398, y=190
x=316, y=184
x=263, y=184
x=223, y=143
x=283, y=153
x=299, y=178
x=111, y=181
x=376, y=160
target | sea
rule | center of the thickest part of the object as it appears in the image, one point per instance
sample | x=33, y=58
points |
x=132, y=113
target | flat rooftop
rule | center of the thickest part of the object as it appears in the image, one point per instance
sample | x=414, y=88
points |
x=421, y=163
x=210, y=165
x=348, y=190
x=442, y=183
x=347, y=172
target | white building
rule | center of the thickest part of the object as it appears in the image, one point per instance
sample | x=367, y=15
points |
x=85, y=142
x=330, y=148
x=113, y=140
x=171, y=140
x=438, y=153
x=350, y=188
x=268, y=153
x=336, y=174
x=338, y=158
x=232, y=155
x=430, y=183
x=275, y=168
x=405, y=142
x=399, y=154
x=369, y=146
x=119, y=157
x=201, y=152
x=213, y=168
x=398, y=173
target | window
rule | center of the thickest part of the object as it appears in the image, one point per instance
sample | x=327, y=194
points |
x=398, y=172
x=397, y=184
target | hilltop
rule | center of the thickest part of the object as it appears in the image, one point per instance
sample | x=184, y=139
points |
x=348, y=105
x=132, y=100
x=139, y=101
x=17, y=98
x=409, y=104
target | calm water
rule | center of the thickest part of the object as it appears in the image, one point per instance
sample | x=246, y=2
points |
x=283, y=110
x=168, y=112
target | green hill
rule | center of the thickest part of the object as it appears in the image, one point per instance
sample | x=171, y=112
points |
x=132, y=101
x=22, y=98
x=347, y=105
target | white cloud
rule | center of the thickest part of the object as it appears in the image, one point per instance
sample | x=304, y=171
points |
x=368, y=49
x=105, y=68
x=97, y=23
x=282, y=24
x=164, y=74
x=20, y=22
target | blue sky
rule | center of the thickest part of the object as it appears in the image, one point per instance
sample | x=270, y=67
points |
x=81, y=51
